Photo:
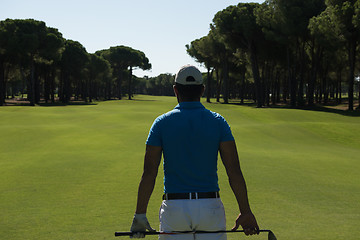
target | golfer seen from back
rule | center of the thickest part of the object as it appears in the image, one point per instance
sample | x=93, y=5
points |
x=189, y=138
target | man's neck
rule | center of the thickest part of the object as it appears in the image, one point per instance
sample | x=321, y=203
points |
x=185, y=100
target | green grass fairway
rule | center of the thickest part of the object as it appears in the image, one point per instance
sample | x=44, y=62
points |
x=72, y=172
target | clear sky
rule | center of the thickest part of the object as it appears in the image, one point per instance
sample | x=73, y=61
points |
x=159, y=28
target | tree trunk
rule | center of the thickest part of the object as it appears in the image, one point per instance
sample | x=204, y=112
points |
x=300, y=93
x=337, y=87
x=91, y=89
x=61, y=87
x=325, y=85
x=2, y=84
x=340, y=88
x=52, y=84
x=359, y=95
x=85, y=89
x=119, y=82
x=225, y=73
x=274, y=88
x=292, y=80
x=47, y=85
x=321, y=85
x=67, y=90
x=65, y=87
x=108, y=89
x=301, y=90
x=31, y=85
x=269, y=71
x=130, y=83
x=285, y=84
x=256, y=75
x=218, y=85
x=208, y=85
x=242, y=85
x=37, y=84
x=352, y=59
x=278, y=87
x=312, y=78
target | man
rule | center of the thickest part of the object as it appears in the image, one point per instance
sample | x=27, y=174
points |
x=190, y=137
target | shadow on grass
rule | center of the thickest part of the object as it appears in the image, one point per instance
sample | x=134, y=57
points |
x=141, y=100
x=59, y=104
x=55, y=104
x=354, y=113
x=318, y=108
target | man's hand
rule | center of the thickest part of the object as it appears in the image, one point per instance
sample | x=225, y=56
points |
x=248, y=223
x=139, y=225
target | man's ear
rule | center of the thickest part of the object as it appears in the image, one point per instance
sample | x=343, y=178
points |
x=176, y=91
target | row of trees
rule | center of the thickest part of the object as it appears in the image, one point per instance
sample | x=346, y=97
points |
x=302, y=50
x=37, y=60
x=161, y=85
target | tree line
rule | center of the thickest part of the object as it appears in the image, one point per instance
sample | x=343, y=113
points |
x=37, y=60
x=300, y=51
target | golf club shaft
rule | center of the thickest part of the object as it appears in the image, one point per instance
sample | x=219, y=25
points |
x=117, y=234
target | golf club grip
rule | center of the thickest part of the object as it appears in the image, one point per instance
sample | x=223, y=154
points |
x=118, y=234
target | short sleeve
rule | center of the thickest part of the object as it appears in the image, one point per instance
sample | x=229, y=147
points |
x=154, y=137
x=226, y=134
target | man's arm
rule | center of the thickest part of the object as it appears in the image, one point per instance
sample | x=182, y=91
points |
x=230, y=159
x=151, y=164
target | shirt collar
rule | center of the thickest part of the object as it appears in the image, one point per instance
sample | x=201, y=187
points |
x=189, y=105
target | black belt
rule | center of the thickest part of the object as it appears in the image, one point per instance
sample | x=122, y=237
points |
x=194, y=195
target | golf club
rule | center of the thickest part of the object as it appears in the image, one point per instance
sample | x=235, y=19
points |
x=271, y=235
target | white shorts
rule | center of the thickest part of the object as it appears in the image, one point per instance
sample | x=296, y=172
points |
x=190, y=215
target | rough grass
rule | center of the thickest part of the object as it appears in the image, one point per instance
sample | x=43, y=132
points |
x=71, y=172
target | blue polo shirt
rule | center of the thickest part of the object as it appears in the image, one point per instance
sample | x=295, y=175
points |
x=190, y=136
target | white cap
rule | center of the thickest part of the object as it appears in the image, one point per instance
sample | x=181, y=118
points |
x=189, y=75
